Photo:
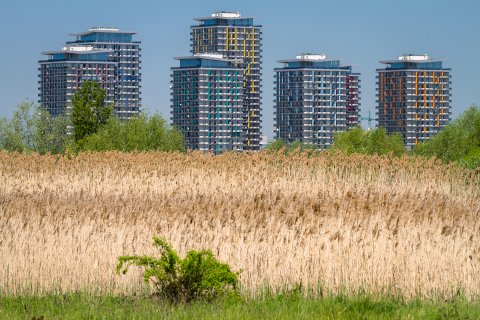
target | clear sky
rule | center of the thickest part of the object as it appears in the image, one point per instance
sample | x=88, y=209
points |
x=359, y=33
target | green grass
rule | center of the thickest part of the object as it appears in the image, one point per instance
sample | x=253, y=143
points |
x=83, y=306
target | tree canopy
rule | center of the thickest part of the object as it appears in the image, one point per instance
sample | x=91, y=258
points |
x=141, y=133
x=89, y=110
x=457, y=142
x=33, y=129
x=375, y=141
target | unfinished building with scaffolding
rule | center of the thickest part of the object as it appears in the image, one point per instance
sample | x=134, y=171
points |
x=413, y=97
x=106, y=55
x=315, y=97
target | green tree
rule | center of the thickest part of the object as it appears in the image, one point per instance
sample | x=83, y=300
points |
x=10, y=137
x=89, y=111
x=50, y=134
x=457, y=142
x=33, y=129
x=141, y=133
x=375, y=141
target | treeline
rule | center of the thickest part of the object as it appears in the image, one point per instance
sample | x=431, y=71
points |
x=458, y=142
x=91, y=126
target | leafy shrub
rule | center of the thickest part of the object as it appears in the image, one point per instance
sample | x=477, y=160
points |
x=375, y=141
x=141, y=133
x=199, y=276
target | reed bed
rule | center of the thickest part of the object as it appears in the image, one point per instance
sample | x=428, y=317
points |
x=346, y=224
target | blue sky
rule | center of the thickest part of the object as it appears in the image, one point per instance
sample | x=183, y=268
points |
x=360, y=33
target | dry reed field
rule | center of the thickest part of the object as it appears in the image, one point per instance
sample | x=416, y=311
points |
x=379, y=224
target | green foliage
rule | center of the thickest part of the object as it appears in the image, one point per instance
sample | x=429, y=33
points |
x=33, y=129
x=457, y=142
x=199, y=276
x=11, y=136
x=89, y=111
x=141, y=133
x=275, y=146
x=472, y=159
x=375, y=141
x=296, y=146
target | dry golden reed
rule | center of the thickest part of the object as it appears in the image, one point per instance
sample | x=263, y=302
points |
x=345, y=223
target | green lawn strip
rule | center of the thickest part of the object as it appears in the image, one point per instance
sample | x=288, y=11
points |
x=84, y=306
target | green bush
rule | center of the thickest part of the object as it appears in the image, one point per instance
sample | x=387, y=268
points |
x=458, y=142
x=375, y=141
x=199, y=276
x=141, y=133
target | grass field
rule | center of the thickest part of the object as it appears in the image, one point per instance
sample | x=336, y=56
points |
x=66, y=307
x=402, y=226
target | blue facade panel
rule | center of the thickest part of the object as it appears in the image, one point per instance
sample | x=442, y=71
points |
x=331, y=64
x=106, y=37
x=246, y=22
x=103, y=57
x=204, y=62
x=434, y=65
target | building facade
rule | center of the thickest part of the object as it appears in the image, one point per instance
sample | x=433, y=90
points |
x=106, y=55
x=315, y=98
x=65, y=70
x=413, y=97
x=207, y=102
x=236, y=37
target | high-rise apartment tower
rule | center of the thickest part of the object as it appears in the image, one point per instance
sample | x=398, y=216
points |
x=315, y=97
x=106, y=55
x=413, y=97
x=207, y=102
x=238, y=38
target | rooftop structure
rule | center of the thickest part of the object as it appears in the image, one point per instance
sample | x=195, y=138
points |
x=413, y=57
x=226, y=15
x=311, y=57
x=225, y=19
x=78, y=53
x=312, y=61
x=412, y=61
x=207, y=60
x=102, y=30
